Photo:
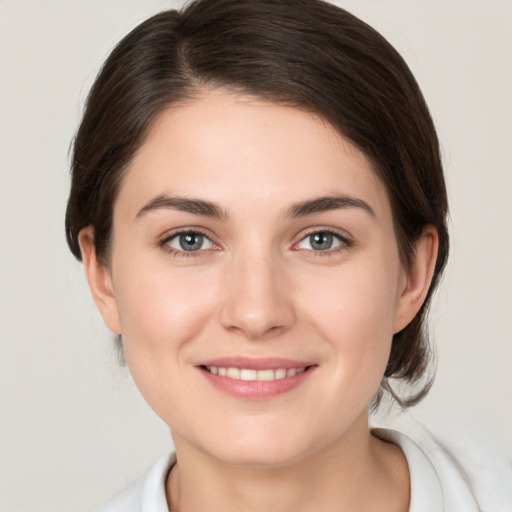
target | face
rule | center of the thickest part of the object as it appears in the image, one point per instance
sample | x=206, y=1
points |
x=255, y=279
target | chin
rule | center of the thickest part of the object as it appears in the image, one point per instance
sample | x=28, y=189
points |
x=262, y=446
x=256, y=456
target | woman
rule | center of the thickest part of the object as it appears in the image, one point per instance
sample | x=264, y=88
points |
x=259, y=203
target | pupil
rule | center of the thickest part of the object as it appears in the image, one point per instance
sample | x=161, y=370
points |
x=191, y=241
x=321, y=241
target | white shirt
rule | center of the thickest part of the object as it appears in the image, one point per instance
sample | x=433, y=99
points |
x=439, y=482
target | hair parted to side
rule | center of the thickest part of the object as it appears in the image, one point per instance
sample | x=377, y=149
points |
x=307, y=54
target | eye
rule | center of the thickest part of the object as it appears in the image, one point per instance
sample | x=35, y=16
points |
x=321, y=241
x=190, y=241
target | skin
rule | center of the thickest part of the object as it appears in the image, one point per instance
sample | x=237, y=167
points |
x=258, y=288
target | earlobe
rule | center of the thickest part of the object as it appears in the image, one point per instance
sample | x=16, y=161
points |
x=418, y=279
x=100, y=280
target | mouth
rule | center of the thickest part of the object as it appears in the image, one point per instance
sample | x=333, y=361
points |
x=249, y=374
x=256, y=379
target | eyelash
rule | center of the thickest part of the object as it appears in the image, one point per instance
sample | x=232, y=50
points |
x=345, y=242
x=164, y=243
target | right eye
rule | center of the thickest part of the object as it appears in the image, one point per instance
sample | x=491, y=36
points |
x=320, y=241
x=188, y=241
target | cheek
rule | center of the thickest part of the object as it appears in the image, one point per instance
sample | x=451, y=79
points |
x=161, y=314
x=356, y=315
x=159, y=308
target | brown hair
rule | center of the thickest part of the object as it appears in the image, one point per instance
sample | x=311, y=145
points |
x=307, y=54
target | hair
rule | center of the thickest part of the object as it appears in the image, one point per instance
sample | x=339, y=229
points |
x=306, y=54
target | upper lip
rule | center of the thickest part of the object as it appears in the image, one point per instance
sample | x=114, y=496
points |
x=265, y=363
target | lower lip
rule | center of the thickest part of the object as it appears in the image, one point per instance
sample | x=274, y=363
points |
x=256, y=389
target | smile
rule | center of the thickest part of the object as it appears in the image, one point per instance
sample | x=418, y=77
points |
x=248, y=374
x=256, y=379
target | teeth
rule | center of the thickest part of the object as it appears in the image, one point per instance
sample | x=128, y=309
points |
x=233, y=373
x=266, y=375
x=281, y=373
x=249, y=374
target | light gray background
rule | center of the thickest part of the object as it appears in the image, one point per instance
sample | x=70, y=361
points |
x=73, y=429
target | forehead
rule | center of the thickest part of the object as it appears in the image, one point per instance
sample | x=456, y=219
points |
x=221, y=145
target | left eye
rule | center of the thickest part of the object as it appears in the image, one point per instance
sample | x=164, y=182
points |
x=320, y=241
x=189, y=242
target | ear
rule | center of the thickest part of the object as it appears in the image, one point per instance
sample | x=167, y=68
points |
x=417, y=278
x=100, y=280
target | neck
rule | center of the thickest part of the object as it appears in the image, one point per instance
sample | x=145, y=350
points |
x=356, y=472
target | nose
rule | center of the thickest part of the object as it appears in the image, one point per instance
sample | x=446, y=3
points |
x=258, y=302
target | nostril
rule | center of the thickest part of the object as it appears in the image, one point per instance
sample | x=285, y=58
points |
x=256, y=305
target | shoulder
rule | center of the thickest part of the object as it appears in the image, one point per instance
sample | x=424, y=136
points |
x=451, y=475
x=147, y=493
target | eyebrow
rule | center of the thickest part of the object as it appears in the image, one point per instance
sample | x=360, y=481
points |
x=210, y=209
x=323, y=204
x=184, y=204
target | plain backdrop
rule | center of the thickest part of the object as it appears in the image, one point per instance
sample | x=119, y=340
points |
x=73, y=429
